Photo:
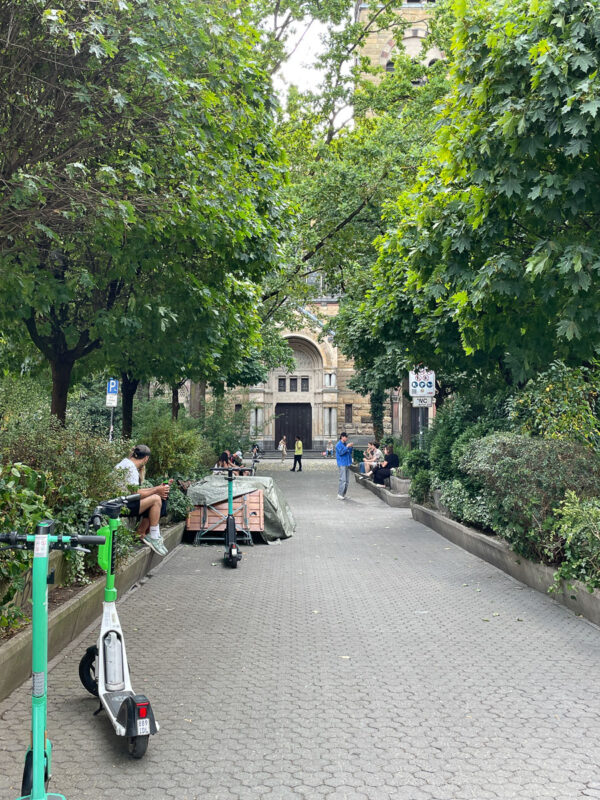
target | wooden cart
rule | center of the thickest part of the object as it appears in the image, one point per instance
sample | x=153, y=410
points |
x=209, y=520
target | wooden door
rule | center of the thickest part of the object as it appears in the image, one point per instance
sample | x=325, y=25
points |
x=294, y=419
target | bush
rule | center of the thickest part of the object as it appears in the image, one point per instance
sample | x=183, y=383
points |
x=525, y=480
x=76, y=457
x=561, y=403
x=472, y=508
x=179, y=506
x=420, y=486
x=461, y=419
x=578, y=526
x=177, y=447
x=22, y=506
x=415, y=462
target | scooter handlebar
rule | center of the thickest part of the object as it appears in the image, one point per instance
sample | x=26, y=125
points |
x=85, y=539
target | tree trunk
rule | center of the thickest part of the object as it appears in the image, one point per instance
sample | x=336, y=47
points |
x=198, y=399
x=377, y=407
x=175, y=404
x=128, y=389
x=61, y=380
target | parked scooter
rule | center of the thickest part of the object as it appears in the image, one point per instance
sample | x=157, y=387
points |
x=38, y=759
x=232, y=554
x=104, y=669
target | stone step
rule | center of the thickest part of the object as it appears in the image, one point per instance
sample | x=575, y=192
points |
x=392, y=498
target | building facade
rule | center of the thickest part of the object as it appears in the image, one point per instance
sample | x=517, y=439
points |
x=313, y=401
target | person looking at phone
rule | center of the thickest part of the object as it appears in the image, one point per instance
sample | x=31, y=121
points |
x=152, y=504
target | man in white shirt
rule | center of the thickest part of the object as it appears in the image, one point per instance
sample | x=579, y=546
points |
x=152, y=502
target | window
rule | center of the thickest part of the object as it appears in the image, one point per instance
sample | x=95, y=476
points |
x=238, y=408
x=281, y=384
x=304, y=384
x=329, y=378
x=256, y=421
x=348, y=412
x=293, y=384
x=389, y=67
x=330, y=422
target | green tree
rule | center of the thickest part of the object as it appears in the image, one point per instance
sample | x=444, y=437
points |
x=137, y=150
x=496, y=245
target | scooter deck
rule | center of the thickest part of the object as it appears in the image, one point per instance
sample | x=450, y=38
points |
x=49, y=796
x=114, y=700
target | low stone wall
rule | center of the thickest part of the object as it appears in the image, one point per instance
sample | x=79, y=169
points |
x=497, y=552
x=74, y=616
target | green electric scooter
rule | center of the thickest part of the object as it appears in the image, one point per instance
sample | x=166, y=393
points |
x=232, y=555
x=38, y=760
x=104, y=669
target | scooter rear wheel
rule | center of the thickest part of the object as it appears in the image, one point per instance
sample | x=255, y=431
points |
x=27, y=782
x=137, y=746
x=87, y=670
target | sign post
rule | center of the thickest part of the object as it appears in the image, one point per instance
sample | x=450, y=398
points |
x=112, y=394
x=421, y=387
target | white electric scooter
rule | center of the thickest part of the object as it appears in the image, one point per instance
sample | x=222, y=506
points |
x=104, y=670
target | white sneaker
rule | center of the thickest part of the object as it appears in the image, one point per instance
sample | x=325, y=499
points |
x=341, y=497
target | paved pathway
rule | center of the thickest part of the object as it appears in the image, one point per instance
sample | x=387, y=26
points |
x=364, y=658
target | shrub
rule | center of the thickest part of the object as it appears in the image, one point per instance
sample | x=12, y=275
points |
x=177, y=447
x=561, y=403
x=525, y=479
x=76, y=457
x=461, y=419
x=416, y=461
x=420, y=486
x=22, y=506
x=578, y=526
x=179, y=506
x=472, y=508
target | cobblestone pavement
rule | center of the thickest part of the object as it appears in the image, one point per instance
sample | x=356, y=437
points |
x=364, y=658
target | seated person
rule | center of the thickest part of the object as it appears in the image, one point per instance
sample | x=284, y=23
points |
x=152, y=503
x=373, y=457
x=390, y=462
x=329, y=449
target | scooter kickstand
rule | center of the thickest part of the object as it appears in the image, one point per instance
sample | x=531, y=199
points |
x=98, y=710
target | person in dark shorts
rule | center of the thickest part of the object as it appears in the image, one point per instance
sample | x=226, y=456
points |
x=152, y=504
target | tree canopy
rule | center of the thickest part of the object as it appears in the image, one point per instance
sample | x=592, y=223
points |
x=490, y=261
x=138, y=152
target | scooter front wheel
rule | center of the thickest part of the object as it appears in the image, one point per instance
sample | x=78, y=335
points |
x=137, y=746
x=87, y=670
x=27, y=782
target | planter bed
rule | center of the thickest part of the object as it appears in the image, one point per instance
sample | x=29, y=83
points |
x=76, y=614
x=497, y=552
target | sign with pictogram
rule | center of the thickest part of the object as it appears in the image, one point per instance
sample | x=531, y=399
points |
x=421, y=382
x=112, y=392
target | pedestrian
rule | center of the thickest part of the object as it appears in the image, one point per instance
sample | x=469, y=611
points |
x=390, y=462
x=282, y=447
x=152, y=504
x=329, y=449
x=343, y=455
x=297, y=455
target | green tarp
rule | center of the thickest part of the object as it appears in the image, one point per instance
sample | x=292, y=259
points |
x=279, y=520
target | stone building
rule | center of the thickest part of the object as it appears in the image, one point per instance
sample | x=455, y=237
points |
x=313, y=401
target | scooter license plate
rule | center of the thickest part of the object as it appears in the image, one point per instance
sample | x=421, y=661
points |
x=143, y=727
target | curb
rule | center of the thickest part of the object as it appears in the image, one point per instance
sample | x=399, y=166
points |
x=391, y=498
x=497, y=552
x=74, y=616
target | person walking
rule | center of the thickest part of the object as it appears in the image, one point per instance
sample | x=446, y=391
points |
x=343, y=455
x=297, y=455
x=282, y=447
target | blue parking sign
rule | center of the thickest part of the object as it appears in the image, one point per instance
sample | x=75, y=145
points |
x=112, y=387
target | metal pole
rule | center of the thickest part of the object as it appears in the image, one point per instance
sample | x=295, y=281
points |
x=110, y=433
